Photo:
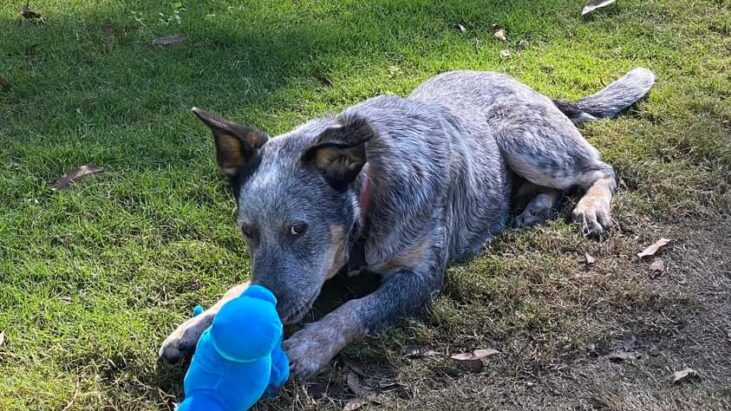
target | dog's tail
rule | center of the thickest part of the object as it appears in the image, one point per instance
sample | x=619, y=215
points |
x=612, y=100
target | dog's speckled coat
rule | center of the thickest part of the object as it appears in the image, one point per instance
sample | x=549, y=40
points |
x=440, y=164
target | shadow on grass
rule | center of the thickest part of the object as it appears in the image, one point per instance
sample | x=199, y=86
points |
x=93, y=80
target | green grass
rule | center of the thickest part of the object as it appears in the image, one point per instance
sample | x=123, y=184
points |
x=93, y=278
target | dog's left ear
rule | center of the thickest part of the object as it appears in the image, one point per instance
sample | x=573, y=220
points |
x=236, y=144
x=339, y=152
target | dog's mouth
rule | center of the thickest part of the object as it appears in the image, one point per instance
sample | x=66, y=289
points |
x=295, y=315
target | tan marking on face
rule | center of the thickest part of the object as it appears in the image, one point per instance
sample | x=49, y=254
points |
x=407, y=259
x=336, y=251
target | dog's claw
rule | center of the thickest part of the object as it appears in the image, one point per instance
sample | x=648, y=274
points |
x=181, y=343
x=311, y=349
x=594, y=217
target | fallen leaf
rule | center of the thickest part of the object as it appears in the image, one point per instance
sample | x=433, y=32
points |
x=681, y=375
x=461, y=28
x=4, y=83
x=592, y=5
x=657, y=268
x=27, y=14
x=505, y=54
x=475, y=355
x=421, y=352
x=169, y=40
x=619, y=356
x=76, y=175
x=356, y=386
x=2, y=338
x=651, y=250
x=499, y=32
x=355, y=404
x=522, y=45
x=473, y=360
x=589, y=259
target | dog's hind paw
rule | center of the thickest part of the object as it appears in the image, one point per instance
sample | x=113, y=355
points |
x=594, y=216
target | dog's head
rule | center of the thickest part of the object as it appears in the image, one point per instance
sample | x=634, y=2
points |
x=296, y=203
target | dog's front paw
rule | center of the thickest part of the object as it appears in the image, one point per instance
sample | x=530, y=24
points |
x=594, y=216
x=312, y=348
x=181, y=343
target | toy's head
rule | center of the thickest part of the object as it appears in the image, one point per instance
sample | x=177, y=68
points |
x=248, y=327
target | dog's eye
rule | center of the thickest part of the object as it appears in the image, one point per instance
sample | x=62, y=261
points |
x=298, y=228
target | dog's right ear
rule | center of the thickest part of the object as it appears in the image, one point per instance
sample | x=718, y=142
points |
x=339, y=153
x=235, y=144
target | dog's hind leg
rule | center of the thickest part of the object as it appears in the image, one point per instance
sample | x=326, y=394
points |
x=536, y=204
x=541, y=145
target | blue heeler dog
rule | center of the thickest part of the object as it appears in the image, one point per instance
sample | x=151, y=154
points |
x=400, y=187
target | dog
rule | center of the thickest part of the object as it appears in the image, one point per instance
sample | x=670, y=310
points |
x=400, y=187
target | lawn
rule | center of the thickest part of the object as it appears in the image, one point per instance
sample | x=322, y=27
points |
x=92, y=278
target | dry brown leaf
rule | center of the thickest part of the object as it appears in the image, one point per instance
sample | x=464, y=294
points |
x=355, y=404
x=651, y=250
x=473, y=360
x=499, y=32
x=27, y=14
x=169, y=40
x=505, y=54
x=461, y=28
x=4, y=83
x=76, y=175
x=684, y=374
x=475, y=355
x=592, y=5
x=2, y=338
x=619, y=356
x=589, y=259
x=657, y=268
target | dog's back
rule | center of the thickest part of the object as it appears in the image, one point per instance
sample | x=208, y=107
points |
x=431, y=168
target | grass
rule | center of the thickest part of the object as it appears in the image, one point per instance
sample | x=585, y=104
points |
x=93, y=278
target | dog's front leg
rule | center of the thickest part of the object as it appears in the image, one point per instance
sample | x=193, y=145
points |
x=183, y=340
x=401, y=294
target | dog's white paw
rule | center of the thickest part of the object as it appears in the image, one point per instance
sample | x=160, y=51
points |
x=594, y=215
x=181, y=343
x=312, y=348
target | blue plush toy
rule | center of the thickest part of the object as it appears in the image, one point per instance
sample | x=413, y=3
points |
x=239, y=358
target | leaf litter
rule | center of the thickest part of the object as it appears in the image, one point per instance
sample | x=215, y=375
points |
x=473, y=360
x=592, y=5
x=499, y=32
x=76, y=175
x=29, y=15
x=654, y=248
